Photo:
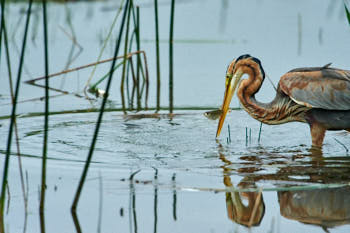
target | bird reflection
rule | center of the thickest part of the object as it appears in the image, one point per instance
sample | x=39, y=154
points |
x=325, y=207
x=247, y=215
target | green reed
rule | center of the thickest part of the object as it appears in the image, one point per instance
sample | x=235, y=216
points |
x=347, y=13
x=138, y=63
x=13, y=118
x=126, y=42
x=171, y=42
x=99, y=120
x=8, y=60
x=46, y=122
x=157, y=52
x=259, y=137
x=2, y=24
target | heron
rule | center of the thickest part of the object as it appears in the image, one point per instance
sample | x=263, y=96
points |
x=318, y=96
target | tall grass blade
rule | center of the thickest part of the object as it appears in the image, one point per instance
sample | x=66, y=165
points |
x=259, y=137
x=171, y=42
x=129, y=68
x=46, y=123
x=2, y=23
x=229, y=133
x=25, y=199
x=126, y=41
x=99, y=120
x=138, y=64
x=13, y=118
x=347, y=13
x=157, y=53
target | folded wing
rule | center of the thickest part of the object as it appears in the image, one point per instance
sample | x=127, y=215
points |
x=318, y=87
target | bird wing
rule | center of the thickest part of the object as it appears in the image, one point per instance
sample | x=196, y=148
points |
x=318, y=87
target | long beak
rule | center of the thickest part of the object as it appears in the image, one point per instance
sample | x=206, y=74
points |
x=230, y=90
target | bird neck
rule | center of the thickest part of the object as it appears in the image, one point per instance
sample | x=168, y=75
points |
x=278, y=111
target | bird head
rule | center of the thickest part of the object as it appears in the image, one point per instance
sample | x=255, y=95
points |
x=234, y=73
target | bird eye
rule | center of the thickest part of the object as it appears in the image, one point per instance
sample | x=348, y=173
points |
x=228, y=76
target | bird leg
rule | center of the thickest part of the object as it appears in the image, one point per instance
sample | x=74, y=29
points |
x=317, y=134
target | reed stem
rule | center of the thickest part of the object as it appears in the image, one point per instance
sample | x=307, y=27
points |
x=125, y=61
x=46, y=122
x=157, y=53
x=171, y=42
x=99, y=120
x=229, y=133
x=138, y=64
x=128, y=69
x=260, y=132
x=13, y=118
x=347, y=13
x=2, y=23
x=25, y=199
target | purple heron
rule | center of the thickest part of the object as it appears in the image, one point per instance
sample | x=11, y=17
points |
x=319, y=96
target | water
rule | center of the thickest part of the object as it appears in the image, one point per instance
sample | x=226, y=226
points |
x=184, y=180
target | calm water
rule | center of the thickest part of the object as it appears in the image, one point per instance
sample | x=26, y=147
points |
x=183, y=179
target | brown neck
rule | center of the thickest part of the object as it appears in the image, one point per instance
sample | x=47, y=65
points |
x=280, y=110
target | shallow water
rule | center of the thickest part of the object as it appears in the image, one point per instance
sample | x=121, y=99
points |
x=183, y=180
x=184, y=175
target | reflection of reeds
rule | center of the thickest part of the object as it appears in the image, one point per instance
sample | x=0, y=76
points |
x=132, y=205
x=46, y=123
x=173, y=178
x=171, y=42
x=13, y=115
x=155, y=199
x=99, y=120
x=100, y=203
x=346, y=149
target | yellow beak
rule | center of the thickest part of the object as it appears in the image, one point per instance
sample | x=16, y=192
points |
x=231, y=85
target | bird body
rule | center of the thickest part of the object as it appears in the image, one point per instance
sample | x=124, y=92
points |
x=319, y=96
